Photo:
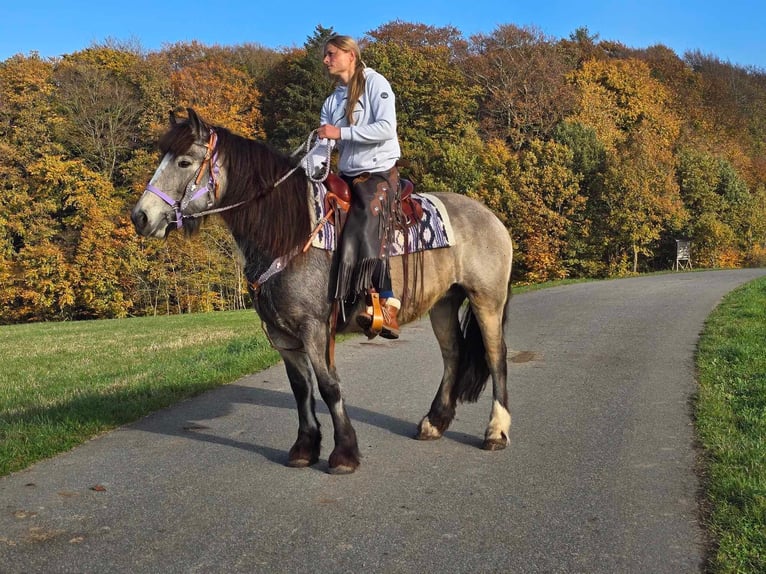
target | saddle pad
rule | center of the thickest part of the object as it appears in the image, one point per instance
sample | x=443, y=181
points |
x=433, y=231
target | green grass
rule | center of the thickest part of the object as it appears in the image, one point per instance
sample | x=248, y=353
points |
x=731, y=422
x=63, y=383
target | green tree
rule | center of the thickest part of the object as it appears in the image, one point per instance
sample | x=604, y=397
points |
x=434, y=103
x=586, y=242
x=293, y=93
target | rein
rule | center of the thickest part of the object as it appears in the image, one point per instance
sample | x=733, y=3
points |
x=307, y=146
x=211, y=166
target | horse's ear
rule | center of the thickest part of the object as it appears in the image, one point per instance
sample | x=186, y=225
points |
x=172, y=117
x=198, y=126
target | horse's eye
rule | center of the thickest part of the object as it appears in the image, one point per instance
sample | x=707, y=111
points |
x=184, y=163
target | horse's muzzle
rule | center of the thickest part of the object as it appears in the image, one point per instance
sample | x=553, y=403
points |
x=140, y=221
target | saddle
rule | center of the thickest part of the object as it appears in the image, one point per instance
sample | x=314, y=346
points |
x=338, y=199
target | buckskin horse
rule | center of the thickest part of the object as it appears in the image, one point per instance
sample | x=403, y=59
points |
x=264, y=202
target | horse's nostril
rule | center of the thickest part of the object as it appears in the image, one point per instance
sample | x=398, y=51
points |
x=139, y=219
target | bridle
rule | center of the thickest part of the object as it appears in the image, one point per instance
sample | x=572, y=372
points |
x=193, y=190
x=210, y=165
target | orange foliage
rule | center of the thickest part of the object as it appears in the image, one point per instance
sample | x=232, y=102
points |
x=222, y=94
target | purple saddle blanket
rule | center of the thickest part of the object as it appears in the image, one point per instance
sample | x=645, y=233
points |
x=433, y=231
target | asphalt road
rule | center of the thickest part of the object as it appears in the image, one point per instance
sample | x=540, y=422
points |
x=599, y=476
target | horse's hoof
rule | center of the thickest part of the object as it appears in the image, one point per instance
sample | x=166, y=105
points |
x=343, y=462
x=495, y=443
x=300, y=463
x=427, y=431
x=426, y=436
x=341, y=469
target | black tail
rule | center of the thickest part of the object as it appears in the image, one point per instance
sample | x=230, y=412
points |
x=473, y=369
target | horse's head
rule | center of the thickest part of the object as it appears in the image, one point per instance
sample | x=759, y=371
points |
x=186, y=182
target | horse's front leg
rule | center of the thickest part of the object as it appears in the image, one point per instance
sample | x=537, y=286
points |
x=344, y=458
x=305, y=451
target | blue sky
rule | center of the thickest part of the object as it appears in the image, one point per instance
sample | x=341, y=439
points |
x=734, y=30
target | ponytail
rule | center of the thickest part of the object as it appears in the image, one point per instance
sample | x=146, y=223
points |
x=356, y=87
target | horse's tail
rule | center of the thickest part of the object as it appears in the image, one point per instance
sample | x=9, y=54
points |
x=473, y=369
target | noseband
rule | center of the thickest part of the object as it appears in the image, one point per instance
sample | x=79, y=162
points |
x=193, y=190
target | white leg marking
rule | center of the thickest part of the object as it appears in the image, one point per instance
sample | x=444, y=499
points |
x=427, y=431
x=499, y=427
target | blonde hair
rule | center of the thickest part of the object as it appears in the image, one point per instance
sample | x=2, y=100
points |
x=357, y=82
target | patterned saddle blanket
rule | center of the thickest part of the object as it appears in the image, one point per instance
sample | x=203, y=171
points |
x=433, y=231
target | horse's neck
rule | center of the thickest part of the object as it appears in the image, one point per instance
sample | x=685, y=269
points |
x=267, y=227
x=256, y=260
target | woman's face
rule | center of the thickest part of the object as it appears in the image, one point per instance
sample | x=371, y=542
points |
x=340, y=63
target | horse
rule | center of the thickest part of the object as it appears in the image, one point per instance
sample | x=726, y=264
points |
x=262, y=198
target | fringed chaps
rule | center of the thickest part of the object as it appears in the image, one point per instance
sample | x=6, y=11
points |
x=361, y=261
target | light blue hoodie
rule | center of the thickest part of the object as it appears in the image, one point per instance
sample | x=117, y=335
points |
x=370, y=144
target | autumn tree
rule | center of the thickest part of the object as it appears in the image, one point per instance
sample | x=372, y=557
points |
x=548, y=209
x=101, y=105
x=67, y=258
x=630, y=114
x=27, y=119
x=522, y=77
x=221, y=93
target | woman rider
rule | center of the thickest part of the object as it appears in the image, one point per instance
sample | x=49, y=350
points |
x=360, y=117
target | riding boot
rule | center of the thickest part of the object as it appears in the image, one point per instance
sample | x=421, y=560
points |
x=390, y=309
x=390, y=326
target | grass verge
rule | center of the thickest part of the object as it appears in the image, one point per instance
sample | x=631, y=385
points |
x=731, y=422
x=63, y=383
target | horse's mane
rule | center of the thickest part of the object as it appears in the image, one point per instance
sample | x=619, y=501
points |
x=274, y=220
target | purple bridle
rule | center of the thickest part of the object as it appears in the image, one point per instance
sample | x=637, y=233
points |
x=193, y=190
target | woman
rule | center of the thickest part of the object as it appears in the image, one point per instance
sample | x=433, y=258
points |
x=360, y=117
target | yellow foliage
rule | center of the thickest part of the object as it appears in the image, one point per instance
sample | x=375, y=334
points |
x=756, y=257
x=617, y=97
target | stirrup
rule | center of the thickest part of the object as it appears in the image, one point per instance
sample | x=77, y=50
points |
x=371, y=320
x=377, y=313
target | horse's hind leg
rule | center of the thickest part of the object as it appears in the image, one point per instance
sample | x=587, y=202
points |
x=305, y=451
x=446, y=326
x=491, y=318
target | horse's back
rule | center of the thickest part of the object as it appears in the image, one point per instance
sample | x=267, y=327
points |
x=479, y=259
x=473, y=222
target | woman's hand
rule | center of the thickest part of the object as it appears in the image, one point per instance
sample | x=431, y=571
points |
x=329, y=131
